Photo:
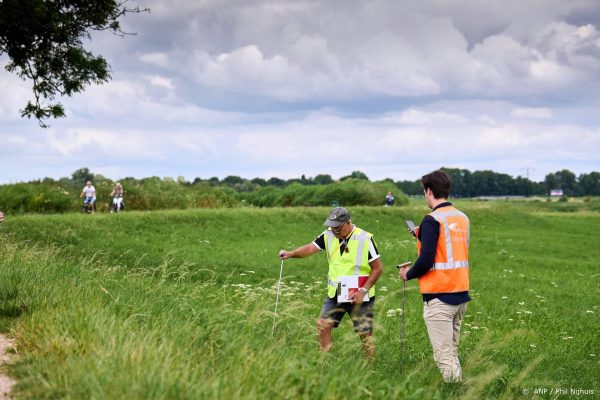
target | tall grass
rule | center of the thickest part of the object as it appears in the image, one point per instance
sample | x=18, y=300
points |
x=180, y=304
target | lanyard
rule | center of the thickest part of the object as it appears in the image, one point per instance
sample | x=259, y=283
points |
x=344, y=243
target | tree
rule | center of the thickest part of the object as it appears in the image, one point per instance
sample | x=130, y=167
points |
x=81, y=176
x=564, y=180
x=355, y=175
x=590, y=184
x=411, y=188
x=232, y=180
x=274, y=181
x=461, y=182
x=44, y=43
x=259, y=181
x=323, y=179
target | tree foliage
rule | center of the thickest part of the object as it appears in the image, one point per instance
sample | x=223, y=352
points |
x=44, y=41
x=489, y=183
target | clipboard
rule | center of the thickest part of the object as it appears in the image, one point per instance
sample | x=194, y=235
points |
x=350, y=284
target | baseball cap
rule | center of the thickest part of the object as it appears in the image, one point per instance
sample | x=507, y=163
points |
x=338, y=216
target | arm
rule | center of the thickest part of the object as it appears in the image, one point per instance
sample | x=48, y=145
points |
x=301, y=252
x=429, y=232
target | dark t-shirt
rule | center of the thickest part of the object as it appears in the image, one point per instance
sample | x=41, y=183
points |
x=373, y=252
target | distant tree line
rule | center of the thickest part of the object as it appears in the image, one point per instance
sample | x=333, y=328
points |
x=154, y=193
x=489, y=183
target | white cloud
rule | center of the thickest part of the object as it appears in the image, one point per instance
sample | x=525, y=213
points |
x=263, y=86
x=531, y=113
x=159, y=58
x=161, y=82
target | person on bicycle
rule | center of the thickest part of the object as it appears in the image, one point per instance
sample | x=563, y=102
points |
x=89, y=195
x=117, y=198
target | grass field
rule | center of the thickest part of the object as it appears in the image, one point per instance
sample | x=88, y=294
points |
x=179, y=304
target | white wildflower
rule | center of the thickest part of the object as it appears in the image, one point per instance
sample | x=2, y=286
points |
x=394, y=312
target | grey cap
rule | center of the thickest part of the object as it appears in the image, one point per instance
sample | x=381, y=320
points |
x=338, y=216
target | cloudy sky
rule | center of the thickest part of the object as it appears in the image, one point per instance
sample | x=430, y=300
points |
x=262, y=88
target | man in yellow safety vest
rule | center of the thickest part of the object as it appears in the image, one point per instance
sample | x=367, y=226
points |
x=354, y=267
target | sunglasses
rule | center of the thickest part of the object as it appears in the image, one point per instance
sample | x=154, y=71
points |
x=338, y=229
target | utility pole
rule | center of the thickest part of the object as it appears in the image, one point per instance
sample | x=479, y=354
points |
x=527, y=170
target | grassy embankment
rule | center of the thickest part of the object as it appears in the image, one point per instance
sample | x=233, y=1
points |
x=179, y=304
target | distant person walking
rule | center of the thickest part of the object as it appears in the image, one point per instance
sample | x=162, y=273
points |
x=443, y=272
x=352, y=255
x=117, y=198
x=89, y=197
x=389, y=199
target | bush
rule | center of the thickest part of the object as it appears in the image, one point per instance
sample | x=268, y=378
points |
x=350, y=192
x=154, y=193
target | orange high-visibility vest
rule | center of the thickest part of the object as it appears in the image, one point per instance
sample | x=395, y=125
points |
x=450, y=271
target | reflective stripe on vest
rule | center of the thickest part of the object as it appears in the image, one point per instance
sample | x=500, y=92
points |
x=450, y=271
x=355, y=262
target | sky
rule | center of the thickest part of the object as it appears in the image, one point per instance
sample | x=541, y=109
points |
x=392, y=88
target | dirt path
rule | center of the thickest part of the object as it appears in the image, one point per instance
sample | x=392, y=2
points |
x=6, y=382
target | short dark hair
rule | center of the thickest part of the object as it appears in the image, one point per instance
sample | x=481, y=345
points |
x=439, y=183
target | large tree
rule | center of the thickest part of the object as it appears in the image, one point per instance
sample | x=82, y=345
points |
x=44, y=43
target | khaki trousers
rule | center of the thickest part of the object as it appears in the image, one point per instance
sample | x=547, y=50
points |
x=443, y=326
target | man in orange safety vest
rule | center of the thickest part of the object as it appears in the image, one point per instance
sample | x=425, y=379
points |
x=443, y=272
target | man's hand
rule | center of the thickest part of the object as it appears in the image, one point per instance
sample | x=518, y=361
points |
x=403, y=272
x=1, y=216
x=414, y=233
x=358, y=296
x=284, y=254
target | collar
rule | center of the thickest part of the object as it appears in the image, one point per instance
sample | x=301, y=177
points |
x=444, y=204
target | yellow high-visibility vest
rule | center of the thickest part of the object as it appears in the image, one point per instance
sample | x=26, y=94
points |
x=353, y=262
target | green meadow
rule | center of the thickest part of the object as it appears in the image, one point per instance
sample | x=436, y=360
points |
x=180, y=305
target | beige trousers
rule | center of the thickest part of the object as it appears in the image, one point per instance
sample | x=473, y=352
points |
x=443, y=326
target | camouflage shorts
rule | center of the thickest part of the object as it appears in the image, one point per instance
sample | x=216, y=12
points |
x=361, y=314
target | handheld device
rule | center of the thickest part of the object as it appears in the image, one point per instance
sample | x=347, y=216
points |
x=411, y=226
x=406, y=264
